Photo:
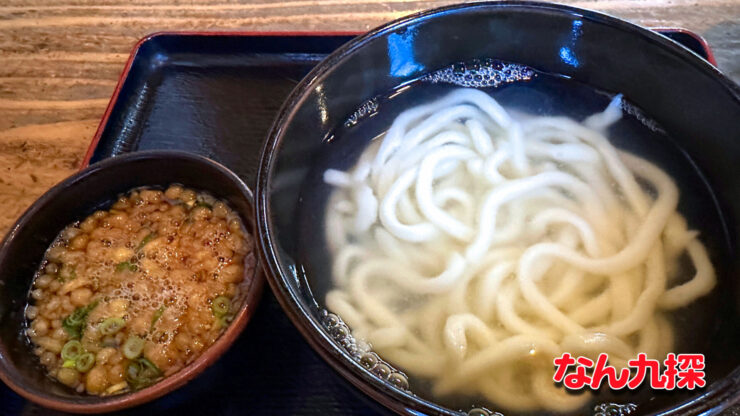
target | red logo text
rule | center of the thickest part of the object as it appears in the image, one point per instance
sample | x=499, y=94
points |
x=682, y=371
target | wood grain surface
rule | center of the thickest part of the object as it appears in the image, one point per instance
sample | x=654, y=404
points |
x=61, y=59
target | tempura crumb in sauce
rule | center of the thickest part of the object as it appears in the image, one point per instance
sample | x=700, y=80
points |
x=134, y=294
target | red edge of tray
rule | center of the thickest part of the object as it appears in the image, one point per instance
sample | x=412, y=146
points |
x=696, y=36
x=135, y=50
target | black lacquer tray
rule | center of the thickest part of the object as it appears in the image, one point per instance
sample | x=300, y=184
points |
x=216, y=94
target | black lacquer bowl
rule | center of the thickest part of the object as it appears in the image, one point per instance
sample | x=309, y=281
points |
x=690, y=99
x=97, y=187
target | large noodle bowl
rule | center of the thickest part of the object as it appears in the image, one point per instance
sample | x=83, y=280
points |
x=471, y=247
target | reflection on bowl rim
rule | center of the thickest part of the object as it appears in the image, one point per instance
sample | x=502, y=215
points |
x=78, y=404
x=338, y=358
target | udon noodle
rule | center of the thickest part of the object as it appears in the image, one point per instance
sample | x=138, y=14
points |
x=471, y=247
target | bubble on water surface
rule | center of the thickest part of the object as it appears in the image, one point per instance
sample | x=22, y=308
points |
x=482, y=411
x=480, y=74
x=367, y=109
x=360, y=351
x=614, y=409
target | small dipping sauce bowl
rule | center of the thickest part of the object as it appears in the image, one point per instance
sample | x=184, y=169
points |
x=94, y=188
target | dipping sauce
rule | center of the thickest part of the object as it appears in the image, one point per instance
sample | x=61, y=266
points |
x=134, y=294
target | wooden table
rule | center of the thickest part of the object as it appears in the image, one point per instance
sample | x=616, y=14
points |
x=61, y=59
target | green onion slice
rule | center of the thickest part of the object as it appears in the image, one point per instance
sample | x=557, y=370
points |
x=74, y=324
x=80, y=314
x=133, y=376
x=157, y=314
x=133, y=369
x=150, y=369
x=111, y=325
x=132, y=347
x=75, y=318
x=108, y=342
x=141, y=373
x=149, y=237
x=126, y=265
x=220, y=306
x=85, y=362
x=71, y=350
x=69, y=364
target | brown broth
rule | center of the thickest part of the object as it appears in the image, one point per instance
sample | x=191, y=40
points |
x=135, y=293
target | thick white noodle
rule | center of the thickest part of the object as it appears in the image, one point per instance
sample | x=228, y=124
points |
x=471, y=249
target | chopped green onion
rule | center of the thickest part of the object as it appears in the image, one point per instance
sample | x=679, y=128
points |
x=204, y=204
x=220, y=306
x=85, y=362
x=108, y=342
x=132, y=370
x=222, y=321
x=150, y=369
x=75, y=318
x=133, y=375
x=149, y=237
x=141, y=373
x=132, y=347
x=79, y=315
x=111, y=325
x=71, y=350
x=157, y=314
x=69, y=364
x=74, y=324
x=126, y=265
